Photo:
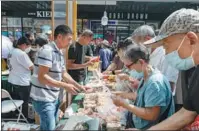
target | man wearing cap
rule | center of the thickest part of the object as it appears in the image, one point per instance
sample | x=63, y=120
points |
x=179, y=35
x=157, y=55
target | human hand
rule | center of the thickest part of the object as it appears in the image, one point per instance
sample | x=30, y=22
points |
x=123, y=76
x=134, y=82
x=89, y=63
x=70, y=88
x=118, y=101
x=88, y=89
x=107, y=72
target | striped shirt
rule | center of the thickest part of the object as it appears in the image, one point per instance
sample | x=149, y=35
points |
x=50, y=56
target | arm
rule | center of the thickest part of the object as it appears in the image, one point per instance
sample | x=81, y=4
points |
x=148, y=113
x=88, y=58
x=111, y=67
x=31, y=67
x=70, y=80
x=45, y=79
x=25, y=61
x=177, y=121
x=125, y=95
x=118, y=72
x=72, y=66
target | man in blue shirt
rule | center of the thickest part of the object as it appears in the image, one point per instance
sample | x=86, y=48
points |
x=105, y=55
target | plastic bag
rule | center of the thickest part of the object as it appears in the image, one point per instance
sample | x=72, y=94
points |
x=122, y=85
x=193, y=126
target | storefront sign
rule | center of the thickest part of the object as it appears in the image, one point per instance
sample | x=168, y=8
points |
x=128, y=16
x=3, y=13
x=41, y=14
x=34, y=14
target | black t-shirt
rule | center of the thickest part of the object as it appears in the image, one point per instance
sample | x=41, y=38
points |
x=191, y=96
x=88, y=50
x=77, y=52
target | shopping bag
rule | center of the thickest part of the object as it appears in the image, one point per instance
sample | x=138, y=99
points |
x=193, y=126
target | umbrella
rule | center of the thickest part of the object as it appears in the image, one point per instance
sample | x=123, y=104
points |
x=6, y=46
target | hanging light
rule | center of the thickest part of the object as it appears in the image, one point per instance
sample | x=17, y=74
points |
x=104, y=20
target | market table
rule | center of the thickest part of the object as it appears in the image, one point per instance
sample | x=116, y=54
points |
x=76, y=104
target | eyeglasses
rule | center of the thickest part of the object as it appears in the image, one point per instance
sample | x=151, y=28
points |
x=129, y=66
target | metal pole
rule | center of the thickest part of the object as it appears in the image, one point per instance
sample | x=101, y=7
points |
x=74, y=20
x=22, y=26
x=66, y=12
x=52, y=18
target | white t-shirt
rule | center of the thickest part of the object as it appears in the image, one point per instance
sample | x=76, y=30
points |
x=19, y=63
x=157, y=59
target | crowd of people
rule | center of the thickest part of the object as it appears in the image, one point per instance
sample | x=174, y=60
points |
x=150, y=63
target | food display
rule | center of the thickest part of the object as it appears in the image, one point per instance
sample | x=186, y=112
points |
x=83, y=126
x=98, y=104
x=109, y=81
x=96, y=64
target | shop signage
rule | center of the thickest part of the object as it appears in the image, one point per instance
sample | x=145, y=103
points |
x=34, y=14
x=128, y=16
x=3, y=13
x=41, y=14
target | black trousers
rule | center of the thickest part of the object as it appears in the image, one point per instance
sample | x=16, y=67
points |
x=22, y=93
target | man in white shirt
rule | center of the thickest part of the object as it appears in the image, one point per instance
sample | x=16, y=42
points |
x=157, y=55
x=20, y=67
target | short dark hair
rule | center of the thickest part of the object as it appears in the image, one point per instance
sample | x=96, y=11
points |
x=87, y=32
x=62, y=29
x=28, y=34
x=41, y=41
x=23, y=40
x=124, y=44
x=136, y=52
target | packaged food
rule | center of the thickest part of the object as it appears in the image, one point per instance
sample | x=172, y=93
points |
x=113, y=126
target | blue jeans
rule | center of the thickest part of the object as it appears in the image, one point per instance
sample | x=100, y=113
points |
x=48, y=113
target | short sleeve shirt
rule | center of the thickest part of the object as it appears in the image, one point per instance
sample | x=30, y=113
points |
x=77, y=53
x=155, y=91
x=191, y=100
x=49, y=56
x=19, y=63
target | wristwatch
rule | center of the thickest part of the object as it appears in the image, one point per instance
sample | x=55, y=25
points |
x=113, y=72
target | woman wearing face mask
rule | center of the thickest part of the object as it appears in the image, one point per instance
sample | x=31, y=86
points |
x=20, y=67
x=153, y=99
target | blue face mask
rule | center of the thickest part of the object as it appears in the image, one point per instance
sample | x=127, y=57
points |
x=137, y=75
x=175, y=61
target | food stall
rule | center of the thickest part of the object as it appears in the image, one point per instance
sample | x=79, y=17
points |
x=94, y=110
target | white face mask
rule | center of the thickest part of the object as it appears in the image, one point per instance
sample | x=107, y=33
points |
x=38, y=48
x=34, y=49
x=27, y=50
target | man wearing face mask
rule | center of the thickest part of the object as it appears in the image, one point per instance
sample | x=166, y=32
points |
x=179, y=35
x=157, y=55
x=20, y=67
